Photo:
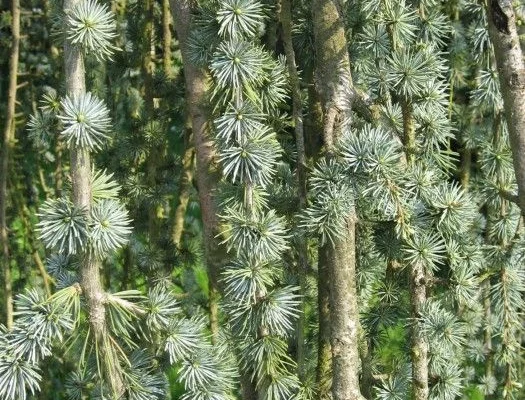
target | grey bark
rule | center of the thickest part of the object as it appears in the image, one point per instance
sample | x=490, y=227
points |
x=418, y=285
x=511, y=70
x=206, y=174
x=344, y=317
x=90, y=279
x=166, y=39
x=419, y=349
x=333, y=83
x=185, y=184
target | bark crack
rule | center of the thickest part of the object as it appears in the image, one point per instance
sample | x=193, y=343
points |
x=500, y=19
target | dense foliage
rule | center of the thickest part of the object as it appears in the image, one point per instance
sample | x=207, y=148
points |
x=422, y=161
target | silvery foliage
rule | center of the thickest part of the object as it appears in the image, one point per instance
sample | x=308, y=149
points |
x=72, y=234
x=92, y=26
x=419, y=213
x=249, y=86
x=68, y=230
x=85, y=120
x=41, y=323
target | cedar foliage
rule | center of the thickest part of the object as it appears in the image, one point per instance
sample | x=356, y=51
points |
x=425, y=163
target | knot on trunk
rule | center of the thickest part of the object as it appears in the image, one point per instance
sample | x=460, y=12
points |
x=517, y=79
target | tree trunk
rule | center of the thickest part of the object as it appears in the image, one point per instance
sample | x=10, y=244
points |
x=297, y=111
x=419, y=350
x=185, y=184
x=324, y=350
x=127, y=268
x=487, y=334
x=333, y=77
x=156, y=153
x=89, y=266
x=247, y=387
x=166, y=39
x=206, y=174
x=7, y=147
x=511, y=70
x=366, y=381
x=466, y=165
x=418, y=286
x=344, y=316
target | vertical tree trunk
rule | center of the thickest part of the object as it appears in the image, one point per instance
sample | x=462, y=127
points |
x=166, y=39
x=333, y=75
x=7, y=147
x=487, y=336
x=511, y=70
x=90, y=279
x=206, y=175
x=344, y=316
x=185, y=184
x=366, y=381
x=148, y=56
x=127, y=268
x=314, y=125
x=324, y=351
x=419, y=350
x=155, y=154
x=248, y=388
x=418, y=288
x=297, y=111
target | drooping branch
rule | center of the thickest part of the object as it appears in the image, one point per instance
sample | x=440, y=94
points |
x=302, y=249
x=7, y=147
x=90, y=279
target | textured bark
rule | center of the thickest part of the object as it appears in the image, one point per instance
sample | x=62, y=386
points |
x=166, y=39
x=324, y=350
x=314, y=119
x=248, y=388
x=206, y=174
x=511, y=70
x=185, y=184
x=466, y=165
x=148, y=56
x=366, y=381
x=7, y=147
x=418, y=289
x=487, y=336
x=59, y=171
x=344, y=316
x=419, y=350
x=333, y=83
x=409, y=131
x=90, y=281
